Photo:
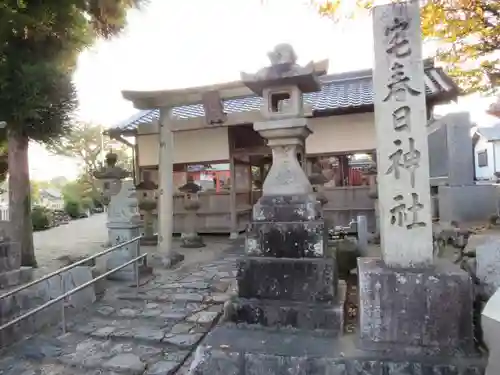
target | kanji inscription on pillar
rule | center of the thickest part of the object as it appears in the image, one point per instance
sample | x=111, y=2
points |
x=400, y=122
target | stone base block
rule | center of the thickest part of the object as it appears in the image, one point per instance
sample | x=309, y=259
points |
x=426, y=311
x=304, y=279
x=16, y=277
x=165, y=260
x=283, y=314
x=128, y=273
x=192, y=241
x=287, y=239
x=287, y=208
x=230, y=350
x=149, y=240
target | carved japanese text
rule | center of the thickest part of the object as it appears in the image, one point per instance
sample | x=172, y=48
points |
x=406, y=215
x=409, y=160
x=399, y=84
x=398, y=40
x=401, y=118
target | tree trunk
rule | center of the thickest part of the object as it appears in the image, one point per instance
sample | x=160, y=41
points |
x=20, y=198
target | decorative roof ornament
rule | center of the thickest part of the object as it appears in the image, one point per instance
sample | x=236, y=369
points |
x=282, y=71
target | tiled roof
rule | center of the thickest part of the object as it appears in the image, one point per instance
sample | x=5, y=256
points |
x=341, y=92
x=491, y=133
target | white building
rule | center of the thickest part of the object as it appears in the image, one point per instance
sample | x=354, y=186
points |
x=487, y=152
x=52, y=199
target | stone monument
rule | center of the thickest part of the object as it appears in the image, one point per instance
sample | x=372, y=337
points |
x=288, y=293
x=410, y=305
x=191, y=238
x=123, y=217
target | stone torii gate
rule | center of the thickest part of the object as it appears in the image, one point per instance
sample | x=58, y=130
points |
x=162, y=101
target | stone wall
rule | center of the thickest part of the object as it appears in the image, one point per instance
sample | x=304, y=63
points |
x=30, y=298
x=346, y=203
x=467, y=203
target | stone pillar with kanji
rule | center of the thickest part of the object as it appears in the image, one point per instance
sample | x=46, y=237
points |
x=415, y=307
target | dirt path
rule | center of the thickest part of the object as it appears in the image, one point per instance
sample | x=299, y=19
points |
x=77, y=238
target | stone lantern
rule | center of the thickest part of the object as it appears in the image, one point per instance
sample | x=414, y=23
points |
x=282, y=86
x=288, y=197
x=190, y=237
x=110, y=177
x=148, y=202
x=123, y=221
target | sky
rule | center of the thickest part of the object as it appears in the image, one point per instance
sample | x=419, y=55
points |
x=178, y=43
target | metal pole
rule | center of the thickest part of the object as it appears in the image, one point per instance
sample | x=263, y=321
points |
x=67, y=268
x=63, y=317
x=136, y=264
x=67, y=294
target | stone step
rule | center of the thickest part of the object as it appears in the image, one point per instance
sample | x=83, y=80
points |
x=19, y=367
x=165, y=296
x=285, y=314
x=143, y=309
x=74, y=353
x=241, y=351
x=172, y=333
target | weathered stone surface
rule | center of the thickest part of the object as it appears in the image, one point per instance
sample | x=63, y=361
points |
x=288, y=314
x=287, y=239
x=287, y=208
x=163, y=368
x=184, y=341
x=235, y=350
x=404, y=199
x=126, y=362
x=490, y=323
x=120, y=232
x=306, y=279
x=488, y=265
x=15, y=277
x=203, y=317
x=208, y=361
x=419, y=310
x=187, y=297
x=38, y=294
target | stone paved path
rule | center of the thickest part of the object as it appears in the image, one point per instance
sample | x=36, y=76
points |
x=151, y=331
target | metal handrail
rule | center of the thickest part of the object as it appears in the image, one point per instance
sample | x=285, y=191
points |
x=71, y=266
x=69, y=293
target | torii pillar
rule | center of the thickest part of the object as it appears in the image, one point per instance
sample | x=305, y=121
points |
x=165, y=255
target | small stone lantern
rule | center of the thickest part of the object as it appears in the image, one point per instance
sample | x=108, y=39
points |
x=148, y=202
x=110, y=177
x=371, y=174
x=191, y=238
x=318, y=180
x=119, y=195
